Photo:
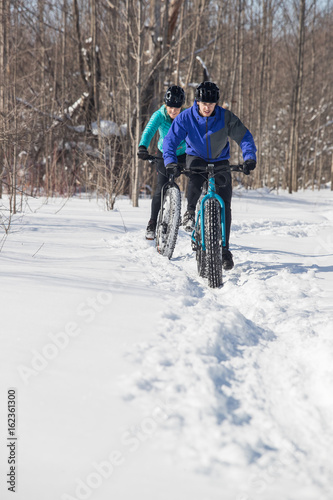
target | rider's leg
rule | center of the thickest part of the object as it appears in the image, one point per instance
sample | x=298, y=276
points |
x=224, y=189
x=161, y=180
x=195, y=182
x=227, y=257
x=156, y=201
x=227, y=223
x=193, y=192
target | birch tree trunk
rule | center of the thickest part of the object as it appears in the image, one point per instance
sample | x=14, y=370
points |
x=296, y=105
x=200, y=10
x=177, y=81
x=63, y=56
x=135, y=176
x=3, y=55
x=3, y=72
x=94, y=58
x=235, y=60
x=5, y=88
x=259, y=172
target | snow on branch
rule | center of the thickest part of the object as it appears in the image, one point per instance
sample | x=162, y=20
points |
x=103, y=128
x=205, y=70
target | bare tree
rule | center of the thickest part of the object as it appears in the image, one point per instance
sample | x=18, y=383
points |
x=77, y=65
x=296, y=103
x=135, y=182
x=3, y=84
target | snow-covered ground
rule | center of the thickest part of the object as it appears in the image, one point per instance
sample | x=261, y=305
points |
x=133, y=379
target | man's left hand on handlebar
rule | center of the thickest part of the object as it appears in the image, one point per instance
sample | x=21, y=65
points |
x=248, y=166
x=173, y=169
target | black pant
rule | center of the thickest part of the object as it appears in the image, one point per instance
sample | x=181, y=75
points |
x=162, y=178
x=223, y=184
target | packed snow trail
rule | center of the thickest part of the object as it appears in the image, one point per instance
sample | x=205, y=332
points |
x=238, y=363
x=214, y=393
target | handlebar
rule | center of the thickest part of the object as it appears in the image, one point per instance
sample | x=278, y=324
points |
x=152, y=158
x=233, y=168
x=214, y=169
x=236, y=168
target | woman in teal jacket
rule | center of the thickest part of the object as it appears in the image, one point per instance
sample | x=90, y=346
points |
x=161, y=121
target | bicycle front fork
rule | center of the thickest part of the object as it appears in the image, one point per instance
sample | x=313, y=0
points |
x=201, y=216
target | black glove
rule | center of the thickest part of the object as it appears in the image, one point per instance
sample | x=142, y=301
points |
x=173, y=168
x=249, y=165
x=143, y=153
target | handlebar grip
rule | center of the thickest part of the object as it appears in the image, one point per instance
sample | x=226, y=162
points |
x=236, y=168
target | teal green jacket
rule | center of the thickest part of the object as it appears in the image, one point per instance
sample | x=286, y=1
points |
x=160, y=121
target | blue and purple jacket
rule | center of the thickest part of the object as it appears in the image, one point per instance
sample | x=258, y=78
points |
x=207, y=137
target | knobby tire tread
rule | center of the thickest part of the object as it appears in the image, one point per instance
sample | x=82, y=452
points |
x=213, y=240
x=168, y=222
x=200, y=254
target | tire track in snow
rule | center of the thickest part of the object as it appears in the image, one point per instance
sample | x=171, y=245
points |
x=190, y=358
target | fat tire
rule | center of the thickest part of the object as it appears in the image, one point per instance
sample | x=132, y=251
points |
x=213, y=241
x=200, y=253
x=168, y=222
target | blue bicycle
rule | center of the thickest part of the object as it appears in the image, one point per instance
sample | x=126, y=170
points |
x=209, y=235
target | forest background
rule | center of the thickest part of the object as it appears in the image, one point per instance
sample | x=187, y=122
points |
x=79, y=80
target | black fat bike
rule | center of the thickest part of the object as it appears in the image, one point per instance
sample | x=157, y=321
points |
x=168, y=219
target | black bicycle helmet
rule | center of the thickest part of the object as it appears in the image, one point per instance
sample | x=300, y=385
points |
x=207, y=92
x=174, y=97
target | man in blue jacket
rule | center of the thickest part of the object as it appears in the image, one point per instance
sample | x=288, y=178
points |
x=205, y=127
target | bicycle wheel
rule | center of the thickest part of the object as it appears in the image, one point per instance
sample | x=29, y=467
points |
x=213, y=240
x=200, y=254
x=168, y=222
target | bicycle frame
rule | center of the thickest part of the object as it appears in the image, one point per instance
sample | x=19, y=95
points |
x=211, y=193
